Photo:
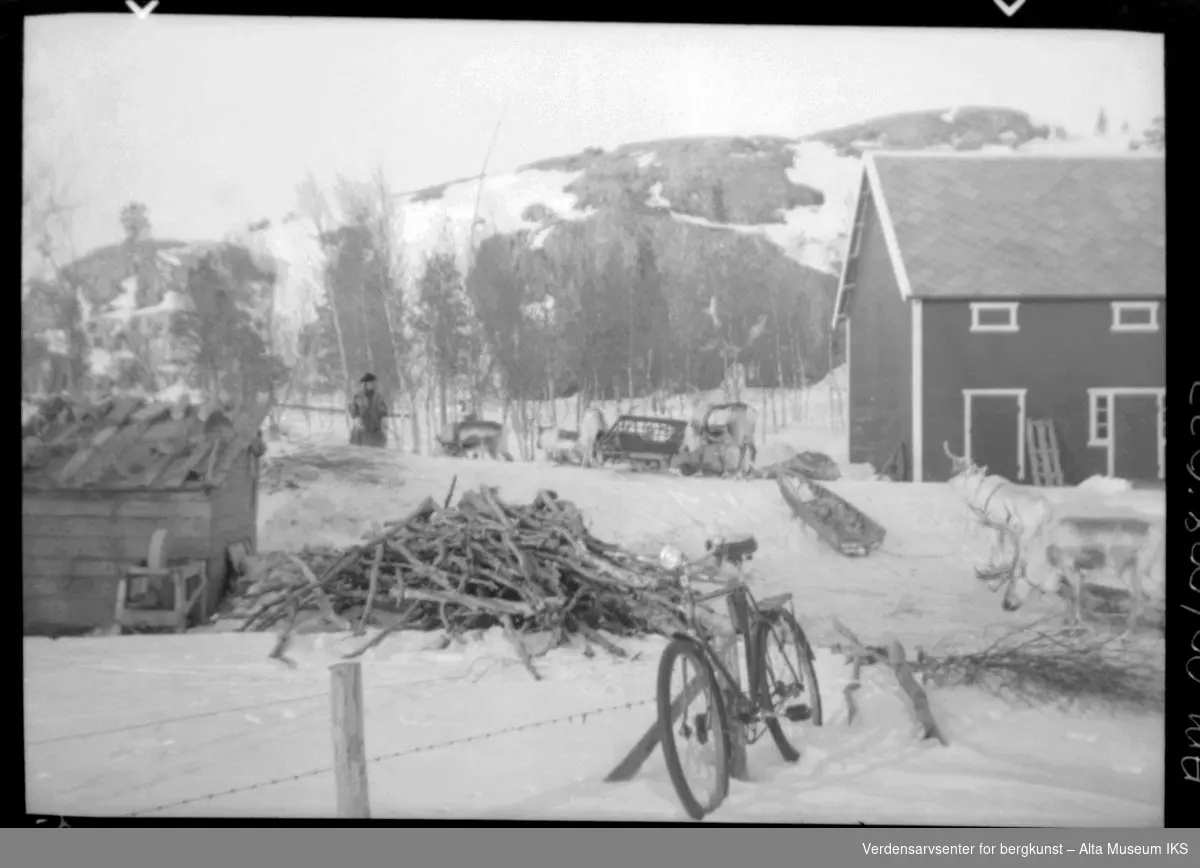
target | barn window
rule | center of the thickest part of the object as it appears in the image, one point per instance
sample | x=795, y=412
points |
x=994, y=316
x=1099, y=418
x=1135, y=316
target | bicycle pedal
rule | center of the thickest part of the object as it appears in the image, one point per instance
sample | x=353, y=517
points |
x=798, y=713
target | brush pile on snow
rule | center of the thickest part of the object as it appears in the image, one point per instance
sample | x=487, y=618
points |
x=1037, y=666
x=480, y=564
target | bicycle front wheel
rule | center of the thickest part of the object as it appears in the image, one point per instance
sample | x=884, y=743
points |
x=786, y=682
x=689, y=734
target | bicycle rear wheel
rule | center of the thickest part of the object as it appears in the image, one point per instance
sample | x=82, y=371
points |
x=703, y=733
x=786, y=682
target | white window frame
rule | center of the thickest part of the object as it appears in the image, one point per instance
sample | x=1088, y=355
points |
x=1119, y=307
x=977, y=307
x=1096, y=399
x=1109, y=396
x=1020, y=395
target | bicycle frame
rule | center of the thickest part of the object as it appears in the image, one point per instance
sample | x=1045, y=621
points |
x=745, y=705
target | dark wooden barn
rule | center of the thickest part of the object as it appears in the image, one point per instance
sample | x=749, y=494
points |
x=99, y=480
x=981, y=291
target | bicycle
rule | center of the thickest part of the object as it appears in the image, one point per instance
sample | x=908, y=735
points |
x=788, y=694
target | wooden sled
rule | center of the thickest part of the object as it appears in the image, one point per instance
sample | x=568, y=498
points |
x=843, y=526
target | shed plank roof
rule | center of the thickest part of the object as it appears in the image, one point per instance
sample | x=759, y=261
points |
x=1027, y=226
x=133, y=444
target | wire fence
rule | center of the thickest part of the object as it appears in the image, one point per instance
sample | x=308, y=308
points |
x=218, y=712
x=580, y=716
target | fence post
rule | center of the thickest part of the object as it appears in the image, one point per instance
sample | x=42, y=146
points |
x=349, y=747
x=737, y=732
x=739, y=621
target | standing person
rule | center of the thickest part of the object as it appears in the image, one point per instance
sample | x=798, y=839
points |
x=368, y=410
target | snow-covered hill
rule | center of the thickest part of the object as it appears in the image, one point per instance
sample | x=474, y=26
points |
x=698, y=199
x=795, y=193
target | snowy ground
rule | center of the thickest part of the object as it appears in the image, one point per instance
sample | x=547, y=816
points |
x=253, y=722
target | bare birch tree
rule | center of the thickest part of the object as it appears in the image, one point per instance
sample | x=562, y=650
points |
x=313, y=208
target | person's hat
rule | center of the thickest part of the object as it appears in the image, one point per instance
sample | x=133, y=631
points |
x=367, y=378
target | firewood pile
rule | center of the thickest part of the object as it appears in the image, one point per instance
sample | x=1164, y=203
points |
x=482, y=563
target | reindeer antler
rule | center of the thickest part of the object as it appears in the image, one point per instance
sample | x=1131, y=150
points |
x=1005, y=527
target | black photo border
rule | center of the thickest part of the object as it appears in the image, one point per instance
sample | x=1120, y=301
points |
x=1176, y=19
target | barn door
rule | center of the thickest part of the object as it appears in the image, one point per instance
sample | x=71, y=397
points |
x=1135, y=437
x=995, y=426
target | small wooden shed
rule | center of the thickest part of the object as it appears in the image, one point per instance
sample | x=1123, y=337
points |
x=100, y=479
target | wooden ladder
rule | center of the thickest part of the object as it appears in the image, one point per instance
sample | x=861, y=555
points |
x=1044, y=465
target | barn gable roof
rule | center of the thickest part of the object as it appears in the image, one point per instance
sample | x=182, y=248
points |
x=1021, y=225
x=128, y=443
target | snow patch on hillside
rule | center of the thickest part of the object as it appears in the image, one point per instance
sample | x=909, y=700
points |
x=814, y=236
x=538, y=239
x=423, y=228
x=744, y=228
x=655, y=199
x=645, y=161
x=293, y=242
x=432, y=224
x=811, y=235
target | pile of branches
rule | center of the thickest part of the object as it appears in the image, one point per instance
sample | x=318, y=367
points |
x=482, y=563
x=1040, y=666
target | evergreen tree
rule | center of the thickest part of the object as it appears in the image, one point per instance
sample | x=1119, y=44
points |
x=228, y=345
x=443, y=322
x=720, y=214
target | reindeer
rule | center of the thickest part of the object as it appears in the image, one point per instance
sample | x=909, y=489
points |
x=473, y=438
x=557, y=444
x=1012, y=512
x=592, y=428
x=1063, y=550
x=728, y=424
x=734, y=375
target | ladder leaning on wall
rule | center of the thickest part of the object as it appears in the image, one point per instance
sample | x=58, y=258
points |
x=1045, y=466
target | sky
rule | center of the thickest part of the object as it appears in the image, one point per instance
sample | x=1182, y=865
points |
x=212, y=122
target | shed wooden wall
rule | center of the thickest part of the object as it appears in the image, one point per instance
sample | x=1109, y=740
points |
x=234, y=518
x=75, y=544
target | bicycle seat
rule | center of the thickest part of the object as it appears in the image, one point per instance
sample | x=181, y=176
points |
x=735, y=551
x=774, y=604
